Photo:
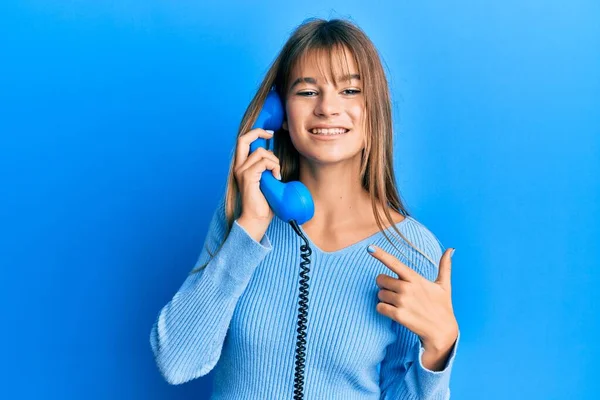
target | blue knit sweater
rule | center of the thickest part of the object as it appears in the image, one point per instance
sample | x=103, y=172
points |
x=239, y=316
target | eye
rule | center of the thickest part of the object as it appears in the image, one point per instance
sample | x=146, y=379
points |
x=347, y=91
x=305, y=93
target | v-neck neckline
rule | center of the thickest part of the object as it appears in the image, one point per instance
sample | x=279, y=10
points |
x=362, y=242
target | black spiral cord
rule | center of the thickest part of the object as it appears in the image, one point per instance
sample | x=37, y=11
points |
x=302, y=315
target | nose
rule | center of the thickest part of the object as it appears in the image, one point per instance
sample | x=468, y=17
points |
x=328, y=104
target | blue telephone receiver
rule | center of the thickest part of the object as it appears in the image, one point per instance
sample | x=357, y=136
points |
x=291, y=200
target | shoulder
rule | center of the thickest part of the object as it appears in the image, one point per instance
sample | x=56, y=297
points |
x=427, y=259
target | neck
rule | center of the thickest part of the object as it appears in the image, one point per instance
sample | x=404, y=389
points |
x=337, y=193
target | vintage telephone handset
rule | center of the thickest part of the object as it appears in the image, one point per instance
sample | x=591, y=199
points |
x=293, y=203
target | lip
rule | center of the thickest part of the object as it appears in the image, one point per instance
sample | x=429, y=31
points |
x=328, y=138
x=328, y=127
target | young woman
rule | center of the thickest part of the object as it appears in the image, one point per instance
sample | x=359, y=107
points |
x=380, y=323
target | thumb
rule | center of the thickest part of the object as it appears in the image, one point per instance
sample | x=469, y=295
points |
x=445, y=269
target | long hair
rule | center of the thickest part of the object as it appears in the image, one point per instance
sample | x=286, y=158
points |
x=328, y=39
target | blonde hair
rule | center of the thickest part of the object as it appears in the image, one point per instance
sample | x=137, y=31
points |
x=329, y=38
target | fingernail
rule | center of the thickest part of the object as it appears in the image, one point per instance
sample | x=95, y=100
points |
x=452, y=253
x=269, y=131
x=278, y=176
x=371, y=249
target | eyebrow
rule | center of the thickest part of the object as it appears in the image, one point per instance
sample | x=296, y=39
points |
x=309, y=79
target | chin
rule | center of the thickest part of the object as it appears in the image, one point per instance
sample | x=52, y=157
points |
x=323, y=157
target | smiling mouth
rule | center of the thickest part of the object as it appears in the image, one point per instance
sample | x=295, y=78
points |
x=328, y=132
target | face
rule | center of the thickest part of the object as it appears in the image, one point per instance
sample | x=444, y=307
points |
x=315, y=102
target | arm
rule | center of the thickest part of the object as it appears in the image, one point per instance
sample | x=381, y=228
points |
x=188, y=334
x=408, y=371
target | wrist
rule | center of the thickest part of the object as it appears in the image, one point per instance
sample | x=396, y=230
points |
x=441, y=344
x=435, y=360
x=256, y=228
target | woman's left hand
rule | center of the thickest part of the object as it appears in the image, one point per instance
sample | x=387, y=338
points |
x=423, y=306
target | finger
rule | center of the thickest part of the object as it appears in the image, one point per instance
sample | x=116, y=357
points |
x=256, y=157
x=243, y=144
x=259, y=154
x=244, y=141
x=400, y=315
x=402, y=270
x=389, y=297
x=384, y=281
x=258, y=168
x=444, y=273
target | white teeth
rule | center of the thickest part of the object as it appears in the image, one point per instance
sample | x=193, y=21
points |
x=333, y=131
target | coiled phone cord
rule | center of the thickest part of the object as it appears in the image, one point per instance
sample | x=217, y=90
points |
x=302, y=315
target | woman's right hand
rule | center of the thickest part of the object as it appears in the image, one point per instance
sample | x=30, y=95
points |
x=248, y=170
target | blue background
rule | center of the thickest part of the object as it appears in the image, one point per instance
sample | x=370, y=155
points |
x=117, y=121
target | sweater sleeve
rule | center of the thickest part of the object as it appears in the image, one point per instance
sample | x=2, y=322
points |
x=188, y=334
x=405, y=378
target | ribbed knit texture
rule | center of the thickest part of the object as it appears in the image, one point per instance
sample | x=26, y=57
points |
x=239, y=316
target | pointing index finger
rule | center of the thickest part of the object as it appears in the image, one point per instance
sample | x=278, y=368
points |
x=403, y=271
